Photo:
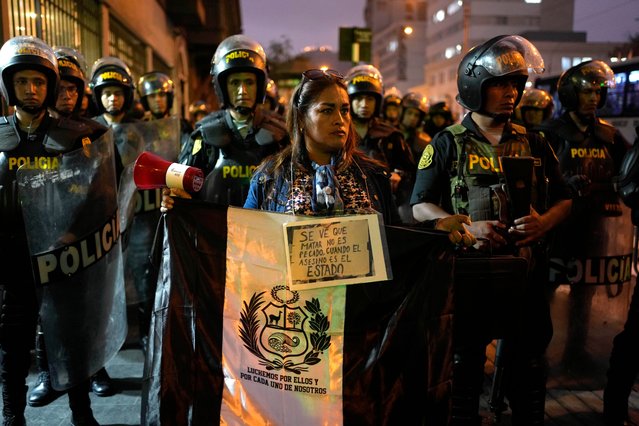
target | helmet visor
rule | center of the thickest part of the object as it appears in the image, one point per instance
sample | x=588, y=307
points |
x=593, y=75
x=511, y=54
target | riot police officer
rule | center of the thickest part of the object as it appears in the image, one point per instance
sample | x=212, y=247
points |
x=590, y=153
x=414, y=110
x=157, y=91
x=113, y=89
x=29, y=78
x=438, y=118
x=68, y=104
x=459, y=172
x=229, y=144
x=535, y=107
x=272, y=100
x=378, y=140
x=392, y=106
x=112, y=86
x=197, y=111
x=624, y=357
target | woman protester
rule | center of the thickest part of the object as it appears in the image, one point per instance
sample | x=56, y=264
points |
x=321, y=172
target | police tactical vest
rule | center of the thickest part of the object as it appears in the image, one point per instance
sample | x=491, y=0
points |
x=230, y=160
x=585, y=154
x=477, y=171
x=43, y=152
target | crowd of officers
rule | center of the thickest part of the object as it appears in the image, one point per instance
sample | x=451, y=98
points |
x=437, y=166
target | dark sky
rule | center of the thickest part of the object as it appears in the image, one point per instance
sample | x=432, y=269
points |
x=607, y=20
x=305, y=22
x=316, y=22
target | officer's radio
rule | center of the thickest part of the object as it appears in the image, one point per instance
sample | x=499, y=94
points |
x=518, y=173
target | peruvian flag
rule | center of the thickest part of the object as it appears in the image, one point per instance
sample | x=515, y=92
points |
x=239, y=338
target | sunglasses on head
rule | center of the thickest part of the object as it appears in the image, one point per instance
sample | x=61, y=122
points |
x=318, y=74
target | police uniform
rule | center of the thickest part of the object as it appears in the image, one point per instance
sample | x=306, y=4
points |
x=597, y=154
x=227, y=159
x=459, y=182
x=385, y=144
x=40, y=149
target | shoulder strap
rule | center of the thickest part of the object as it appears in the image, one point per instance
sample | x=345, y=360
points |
x=456, y=129
x=459, y=134
x=519, y=129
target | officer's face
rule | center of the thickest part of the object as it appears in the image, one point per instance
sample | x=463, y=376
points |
x=67, y=97
x=411, y=118
x=242, y=89
x=392, y=112
x=363, y=106
x=30, y=87
x=438, y=120
x=85, y=104
x=588, y=100
x=327, y=124
x=501, y=94
x=157, y=103
x=112, y=98
x=533, y=116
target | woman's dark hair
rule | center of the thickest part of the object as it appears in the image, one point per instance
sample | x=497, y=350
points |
x=304, y=96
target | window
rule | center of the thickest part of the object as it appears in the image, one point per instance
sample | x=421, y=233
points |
x=69, y=23
x=126, y=46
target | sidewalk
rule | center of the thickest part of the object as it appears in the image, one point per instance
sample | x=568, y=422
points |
x=574, y=395
x=123, y=408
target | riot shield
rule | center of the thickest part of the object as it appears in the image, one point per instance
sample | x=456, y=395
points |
x=161, y=137
x=141, y=208
x=71, y=216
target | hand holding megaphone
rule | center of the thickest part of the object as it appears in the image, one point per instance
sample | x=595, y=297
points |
x=152, y=171
x=167, y=198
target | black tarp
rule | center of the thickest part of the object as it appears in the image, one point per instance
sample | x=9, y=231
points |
x=397, y=350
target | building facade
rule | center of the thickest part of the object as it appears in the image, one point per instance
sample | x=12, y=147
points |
x=426, y=60
x=148, y=35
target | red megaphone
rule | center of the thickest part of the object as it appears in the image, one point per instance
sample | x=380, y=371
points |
x=152, y=171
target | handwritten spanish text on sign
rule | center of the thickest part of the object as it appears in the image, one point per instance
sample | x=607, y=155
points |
x=329, y=250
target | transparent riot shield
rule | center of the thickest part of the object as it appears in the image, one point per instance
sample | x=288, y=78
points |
x=161, y=137
x=141, y=208
x=71, y=216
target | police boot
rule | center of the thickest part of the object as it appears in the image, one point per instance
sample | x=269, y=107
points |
x=14, y=405
x=101, y=383
x=42, y=393
x=527, y=393
x=467, y=383
x=80, y=404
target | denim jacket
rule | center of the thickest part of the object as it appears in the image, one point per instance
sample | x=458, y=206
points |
x=377, y=182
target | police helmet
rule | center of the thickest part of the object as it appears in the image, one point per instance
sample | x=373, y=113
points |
x=111, y=71
x=440, y=108
x=537, y=99
x=238, y=53
x=415, y=100
x=272, y=94
x=71, y=65
x=198, y=107
x=501, y=56
x=155, y=82
x=365, y=79
x=27, y=53
x=392, y=96
x=586, y=75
